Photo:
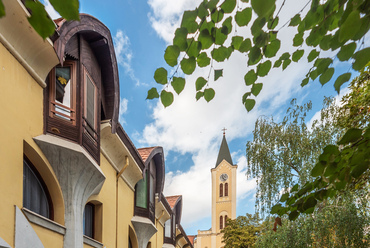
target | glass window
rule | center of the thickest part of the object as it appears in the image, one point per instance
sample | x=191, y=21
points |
x=142, y=192
x=90, y=102
x=35, y=195
x=221, y=190
x=167, y=228
x=226, y=189
x=221, y=222
x=88, y=220
x=225, y=220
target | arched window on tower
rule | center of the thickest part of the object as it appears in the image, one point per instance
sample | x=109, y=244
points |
x=226, y=220
x=221, y=222
x=226, y=189
x=221, y=190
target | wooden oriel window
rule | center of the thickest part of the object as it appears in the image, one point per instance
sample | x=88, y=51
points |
x=226, y=189
x=90, y=111
x=221, y=190
x=35, y=194
x=62, y=96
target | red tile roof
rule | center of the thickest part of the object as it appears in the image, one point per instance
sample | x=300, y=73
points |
x=145, y=152
x=172, y=200
x=191, y=239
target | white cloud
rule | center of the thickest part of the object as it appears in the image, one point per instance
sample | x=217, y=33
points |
x=50, y=9
x=122, y=109
x=124, y=54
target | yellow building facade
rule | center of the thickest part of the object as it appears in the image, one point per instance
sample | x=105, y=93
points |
x=223, y=199
x=69, y=174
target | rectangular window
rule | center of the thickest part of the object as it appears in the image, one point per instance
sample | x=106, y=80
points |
x=167, y=228
x=142, y=192
x=90, y=105
x=88, y=220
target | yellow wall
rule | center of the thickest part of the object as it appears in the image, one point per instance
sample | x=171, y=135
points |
x=21, y=114
x=48, y=238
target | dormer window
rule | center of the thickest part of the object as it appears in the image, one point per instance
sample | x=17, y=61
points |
x=90, y=113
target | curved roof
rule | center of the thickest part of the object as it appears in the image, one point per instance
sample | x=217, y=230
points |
x=224, y=153
x=175, y=203
x=100, y=40
x=155, y=153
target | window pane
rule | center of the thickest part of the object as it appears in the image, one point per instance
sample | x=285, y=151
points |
x=142, y=192
x=167, y=228
x=34, y=195
x=88, y=221
x=226, y=189
x=63, y=89
x=90, y=101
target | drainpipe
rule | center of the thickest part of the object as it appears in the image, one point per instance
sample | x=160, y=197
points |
x=118, y=176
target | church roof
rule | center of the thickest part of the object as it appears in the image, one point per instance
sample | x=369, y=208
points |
x=224, y=153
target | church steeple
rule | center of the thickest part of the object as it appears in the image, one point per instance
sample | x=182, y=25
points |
x=224, y=152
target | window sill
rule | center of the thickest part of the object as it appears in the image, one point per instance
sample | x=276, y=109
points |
x=92, y=242
x=43, y=222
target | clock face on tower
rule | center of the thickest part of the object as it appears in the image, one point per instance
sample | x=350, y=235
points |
x=224, y=177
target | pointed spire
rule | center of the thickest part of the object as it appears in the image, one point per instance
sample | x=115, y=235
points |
x=224, y=152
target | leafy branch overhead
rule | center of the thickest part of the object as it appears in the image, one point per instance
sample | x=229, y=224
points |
x=204, y=35
x=40, y=20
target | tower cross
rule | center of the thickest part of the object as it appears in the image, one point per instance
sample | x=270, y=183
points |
x=223, y=130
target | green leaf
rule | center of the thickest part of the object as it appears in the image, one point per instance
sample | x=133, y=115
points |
x=200, y=83
x=188, y=65
x=326, y=42
x=160, y=76
x=205, y=39
x=227, y=26
x=220, y=37
x=296, y=20
x=254, y=55
x=278, y=63
x=2, y=9
x=263, y=68
x=263, y=8
x=194, y=48
x=305, y=81
x=243, y=17
x=249, y=104
x=312, y=55
x=218, y=74
x=202, y=11
x=322, y=64
x=276, y=208
x=236, y=41
x=297, y=55
x=69, y=9
x=350, y=136
x=152, y=93
x=361, y=59
x=346, y=51
x=272, y=48
x=318, y=169
x=250, y=77
x=326, y=76
x=228, y=6
x=39, y=19
x=359, y=169
x=199, y=95
x=219, y=54
x=245, y=96
x=245, y=46
x=273, y=23
x=166, y=98
x=285, y=56
x=203, y=60
x=256, y=89
x=217, y=15
x=209, y=94
x=341, y=80
x=293, y=215
x=178, y=84
x=298, y=39
x=286, y=63
x=188, y=21
x=180, y=39
x=171, y=54
x=258, y=25
x=294, y=189
x=261, y=39
x=350, y=26
x=211, y=5
x=309, y=203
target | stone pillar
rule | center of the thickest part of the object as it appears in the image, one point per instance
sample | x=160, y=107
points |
x=144, y=229
x=79, y=177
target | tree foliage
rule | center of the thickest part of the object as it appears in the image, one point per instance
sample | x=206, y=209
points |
x=339, y=223
x=282, y=154
x=204, y=35
x=39, y=18
x=340, y=167
x=241, y=232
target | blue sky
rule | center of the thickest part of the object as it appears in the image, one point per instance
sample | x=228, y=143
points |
x=190, y=131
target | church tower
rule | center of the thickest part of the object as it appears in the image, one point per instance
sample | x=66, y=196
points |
x=223, y=198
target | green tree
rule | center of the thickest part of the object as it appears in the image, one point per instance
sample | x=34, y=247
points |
x=282, y=154
x=39, y=18
x=241, y=232
x=204, y=35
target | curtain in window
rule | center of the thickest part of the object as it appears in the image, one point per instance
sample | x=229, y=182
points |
x=88, y=221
